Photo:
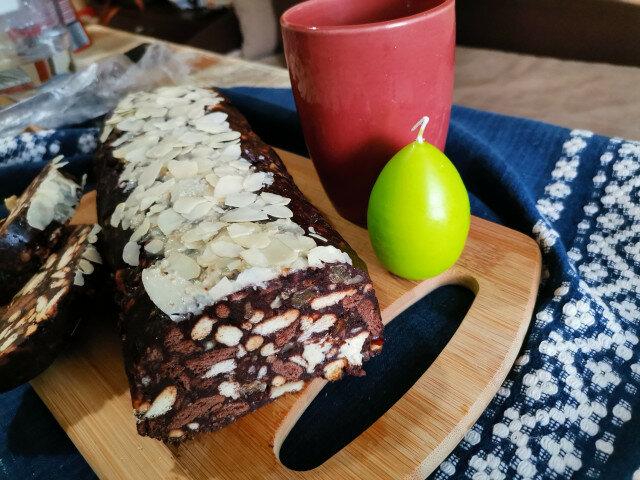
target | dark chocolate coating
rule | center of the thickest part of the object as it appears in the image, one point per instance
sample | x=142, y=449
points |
x=39, y=335
x=162, y=354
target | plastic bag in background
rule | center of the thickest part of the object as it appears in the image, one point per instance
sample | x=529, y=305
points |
x=94, y=90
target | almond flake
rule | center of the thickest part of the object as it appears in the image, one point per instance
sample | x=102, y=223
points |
x=91, y=254
x=158, y=189
x=253, y=240
x=240, y=199
x=244, y=214
x=239, y=230
x=241, y=164
x=131, y=254
x=192, y=138
x=278, y=253
x=298, y=243
x=228, y=184
x=154, y=247
x=141, y=231
x=223, y=248
x=199, y=211
x=212, y=179
x=255, y=258
x=85, y=266
x=223, y=170
x=327, y=254
x=149, y=174
x=182, y=168
x=278, y=211
x=168, y=292
x=159, y=150
x=169, y=124
x=255, y=276
x=204, y=164
x=230, y=153
x=168, y=221
x=210, y=123
x=186, y=204
x=273, y=199
x=150, y=111
x=256, y=181
x=130, y=125
x=116, y=216
x=212, y=227
x=106, y=131
x=114, y=119
x=225, y=136
x=135, y=155
x=183, y=265
x=78, y=279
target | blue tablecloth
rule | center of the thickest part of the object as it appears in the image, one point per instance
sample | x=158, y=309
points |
x=569, y=407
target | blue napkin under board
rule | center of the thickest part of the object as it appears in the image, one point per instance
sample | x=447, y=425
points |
x=570, y=406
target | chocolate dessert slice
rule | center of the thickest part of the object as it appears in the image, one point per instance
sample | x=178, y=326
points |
x=34, y=226
x=35, y=325
x=233, y=289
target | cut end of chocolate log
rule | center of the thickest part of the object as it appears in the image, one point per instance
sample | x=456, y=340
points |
x=44, y=313
x=34, y=227
x=233, y=289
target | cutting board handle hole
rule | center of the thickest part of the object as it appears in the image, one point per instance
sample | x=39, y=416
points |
x=344, y=409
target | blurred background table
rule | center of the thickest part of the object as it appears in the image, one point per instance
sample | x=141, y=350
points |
x=603, y=98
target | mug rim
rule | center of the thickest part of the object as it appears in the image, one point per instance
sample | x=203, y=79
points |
x=286, y=24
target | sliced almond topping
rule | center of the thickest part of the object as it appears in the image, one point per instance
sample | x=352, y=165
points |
x=155, y=246
x=244, y=214
x=273, y=199
x=223, y=248
x=239, y=230
x=240, y=199
x=228, y=184
x=277, y=253
x=183, y=168
x=169, y=220
x=183, y=265
x=131, y=253
x=278, y=211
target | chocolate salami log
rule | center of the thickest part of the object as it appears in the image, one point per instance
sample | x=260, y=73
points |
x=42, y=315
x=233, y=289
x=34, y=226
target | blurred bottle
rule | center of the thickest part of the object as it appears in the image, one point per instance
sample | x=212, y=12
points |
x=34, y=44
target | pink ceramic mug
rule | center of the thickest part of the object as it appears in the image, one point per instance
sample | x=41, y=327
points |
x=363, y=72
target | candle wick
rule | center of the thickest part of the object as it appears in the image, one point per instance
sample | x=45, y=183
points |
x=423, y=124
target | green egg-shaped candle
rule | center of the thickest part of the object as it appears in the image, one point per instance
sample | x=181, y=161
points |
x=419, y=215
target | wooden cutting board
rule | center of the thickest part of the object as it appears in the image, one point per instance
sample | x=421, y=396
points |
x=87, y=391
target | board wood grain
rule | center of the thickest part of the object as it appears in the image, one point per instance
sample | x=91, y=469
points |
x=87, y=390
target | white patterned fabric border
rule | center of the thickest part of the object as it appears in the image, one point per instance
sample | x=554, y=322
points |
x=565, y=400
